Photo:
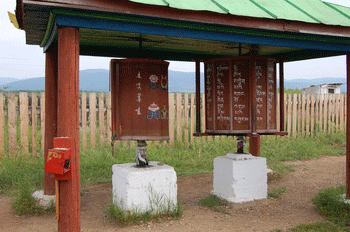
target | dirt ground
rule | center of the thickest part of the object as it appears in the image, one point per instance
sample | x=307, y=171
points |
x=293, y=208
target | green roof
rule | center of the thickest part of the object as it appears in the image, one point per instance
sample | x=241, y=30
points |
x=309, y=11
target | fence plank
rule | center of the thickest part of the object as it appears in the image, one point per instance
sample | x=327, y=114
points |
x=171, y=118
x=325, y=112
x=312, y=114
x=179, y=117
x=92, y=114
x=307, y=120
x=299, y=108
x=109, y=117
x=278, y=112
x=42, y=120
x=2, y=126
x=294, y=130
x=12, y=123
x=34, y=121
x=285, y=112
x=192, y=117
x=23, y=109
x=341, y=118
x=101, y=118
x=317, y=113
x=186, y=117
x=83, y=120
x=337, y=112
x=289, y=114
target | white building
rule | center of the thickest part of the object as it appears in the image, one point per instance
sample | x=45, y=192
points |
x=332, y=88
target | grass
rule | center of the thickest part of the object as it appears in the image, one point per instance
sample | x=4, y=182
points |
x=328, y=203
x=277, y=192
x=318, y=226
x=214, y=203
x=126, y=217
x=187, y=159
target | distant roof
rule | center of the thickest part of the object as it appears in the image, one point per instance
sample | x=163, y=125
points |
x=310, y=11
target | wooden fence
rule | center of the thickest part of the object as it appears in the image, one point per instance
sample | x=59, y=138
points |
x=304, y=115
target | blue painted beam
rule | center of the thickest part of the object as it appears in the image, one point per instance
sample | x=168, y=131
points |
x=119, y=26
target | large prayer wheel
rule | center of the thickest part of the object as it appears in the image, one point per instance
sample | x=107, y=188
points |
x=139, y=89
x=228, y=94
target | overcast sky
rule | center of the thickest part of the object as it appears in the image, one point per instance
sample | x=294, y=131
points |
x=26, y=61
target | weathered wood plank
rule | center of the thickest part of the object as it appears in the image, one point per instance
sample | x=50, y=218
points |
x=192, y=117
x=109, y=117
x=23, y=109
x=34, y=121
x=92, y=114
x=294, y=129
x=171, y=118
x=83, y=120
x=42, y=120
x=12, y=123
x=307, y=120
x=325, y=113
x=289, y=114
x=341, y=116
x=312, y=116
x=186, y=117
x=179, y=117
x=101, y=118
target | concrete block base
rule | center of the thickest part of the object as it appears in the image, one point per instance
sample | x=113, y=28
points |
x=240, y=177
x=152, y=188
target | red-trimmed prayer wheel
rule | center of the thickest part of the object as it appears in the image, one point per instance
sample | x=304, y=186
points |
x=139, y=89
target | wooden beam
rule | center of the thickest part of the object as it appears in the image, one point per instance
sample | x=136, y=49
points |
x=348, y=127
x=68, y=124
x=51, y=73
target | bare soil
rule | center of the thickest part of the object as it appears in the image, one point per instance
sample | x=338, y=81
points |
x=291, y=209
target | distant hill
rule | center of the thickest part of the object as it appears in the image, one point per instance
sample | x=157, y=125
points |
x=97, y=80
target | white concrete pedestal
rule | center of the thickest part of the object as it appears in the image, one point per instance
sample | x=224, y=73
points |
x=152, y=188
x=240, y=177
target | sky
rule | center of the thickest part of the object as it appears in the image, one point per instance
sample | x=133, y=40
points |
x=22, y=61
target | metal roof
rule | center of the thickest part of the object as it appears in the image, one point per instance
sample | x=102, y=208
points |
x=310, y=11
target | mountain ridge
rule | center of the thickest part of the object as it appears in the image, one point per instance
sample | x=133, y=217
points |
x=97, y=80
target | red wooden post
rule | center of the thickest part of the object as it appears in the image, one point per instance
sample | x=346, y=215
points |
x=198, y=97
x=281, y=96
x=50, y=113
x=68, y=124
x=254, y=142
x=348, y=127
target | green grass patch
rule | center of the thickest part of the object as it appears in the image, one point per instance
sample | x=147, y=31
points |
x=277, y=192
x=24, y=203
x=320, y=226
x=214, y=203
x=329, y=204
x=126, y=217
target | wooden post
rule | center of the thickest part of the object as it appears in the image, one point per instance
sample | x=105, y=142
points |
x=348, y=127
x=198, y=97
x=281, y=96
x=68, y=124
x=254, y=142
x=51, y=73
